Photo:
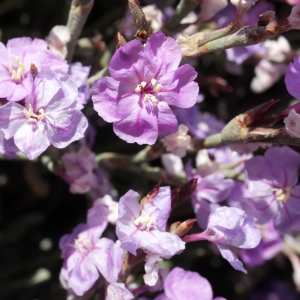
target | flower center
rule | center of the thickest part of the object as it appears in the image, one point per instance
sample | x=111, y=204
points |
x=145, y=223
x=148, y=89
x=283, y=194
x=31, y=116
x=16, y=69
x=83, y=244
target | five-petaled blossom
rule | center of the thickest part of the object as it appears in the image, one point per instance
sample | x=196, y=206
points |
x=229, y=226
x=145, y=82
x=15, y=61
x=85, y=254
x=144, y=227
x=271, y=188
x=48, y=116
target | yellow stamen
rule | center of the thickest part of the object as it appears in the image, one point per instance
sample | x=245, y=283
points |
x=157, y=88
x=153, y=81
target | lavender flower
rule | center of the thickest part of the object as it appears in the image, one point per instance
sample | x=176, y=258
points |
x=79, y=168
x=146, y=228
x=80, y=75
x=85, y=255
x=229, y=226
x=269, y=246
x=145, y=81
x=15, y=62
x=180, y=284
x=292, y=78
x=118, y=291
x=47, y=118
x=271, y=190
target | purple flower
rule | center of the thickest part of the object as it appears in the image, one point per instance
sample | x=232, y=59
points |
x=79, y=168
x=145, y=82
x=292, y=78
x=229, y=226
x=15, y=61
x=271, y=190
x=200, y=124
x=85, y=255
x=145, y=228
x=80, y=75
x=212, y=188
x=47, y=117
x=269, y=246
x=7, y=147
x=118, y=291
x=180, y=284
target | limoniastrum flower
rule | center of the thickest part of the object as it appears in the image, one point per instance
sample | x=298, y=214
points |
x=86, y=254
x=271, y=190
x=47, y=116
x=145, y=82
x=15, y=61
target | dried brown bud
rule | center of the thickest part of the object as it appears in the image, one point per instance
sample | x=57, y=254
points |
x=33, y=70
x=265, y=18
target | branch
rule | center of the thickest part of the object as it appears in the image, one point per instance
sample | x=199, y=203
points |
x=78, y=14
x=246, y=36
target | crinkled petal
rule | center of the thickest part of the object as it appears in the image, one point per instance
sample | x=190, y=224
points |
x=167, y=122
x=127, y=65
x=292, y=78
x=140, y=126
x=214, y=187
x=163, y=52
x=107, y=257
x=231, y=258
x=181, y=284
x=31, y=138
x=83, y=275
x=11, y=118
x=179, y=89
x=65, y=127
x=118, y=291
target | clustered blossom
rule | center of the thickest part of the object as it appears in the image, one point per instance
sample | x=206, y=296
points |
x=86, y=254
x=48, y=116
x=145, y=82
x=143, y=226
x=15, y=61
x=271, y=188
x=79, y=167
x=229, y=226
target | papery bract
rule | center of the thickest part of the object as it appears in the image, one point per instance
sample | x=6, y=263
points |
x=15, y=61
x=57, y=40
x=145, y=81
x=47, y=118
